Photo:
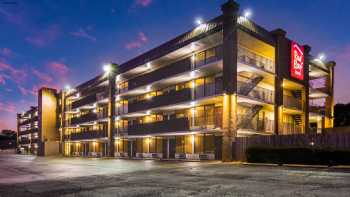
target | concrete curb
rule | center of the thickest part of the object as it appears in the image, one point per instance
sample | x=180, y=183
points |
x=298, y=166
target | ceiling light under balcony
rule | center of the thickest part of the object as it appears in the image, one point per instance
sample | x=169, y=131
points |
x=148, y=65
x=193, y=73
x=193, y=103
x=148, y=88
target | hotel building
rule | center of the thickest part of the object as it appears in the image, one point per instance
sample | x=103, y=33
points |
x=37, y=128
x=190, y=97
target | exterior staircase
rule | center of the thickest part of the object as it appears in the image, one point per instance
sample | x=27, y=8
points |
x=249, y=85
x=245, y=122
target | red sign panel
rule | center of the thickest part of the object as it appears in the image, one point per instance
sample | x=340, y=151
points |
x=297, y=61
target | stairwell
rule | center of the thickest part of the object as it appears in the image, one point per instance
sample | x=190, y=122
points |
x=249, y=85
x=245, y=122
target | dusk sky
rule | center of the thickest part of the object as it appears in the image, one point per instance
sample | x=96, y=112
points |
x=55, y=42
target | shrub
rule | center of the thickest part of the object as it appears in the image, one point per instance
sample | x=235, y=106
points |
x=298, y=155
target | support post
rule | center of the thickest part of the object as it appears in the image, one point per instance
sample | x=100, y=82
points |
x=280, y=37
x=111, y=108
x=307, y=57
x=230, y=13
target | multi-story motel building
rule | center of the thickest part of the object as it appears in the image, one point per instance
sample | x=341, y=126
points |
x=37, y=128
x=192, y=96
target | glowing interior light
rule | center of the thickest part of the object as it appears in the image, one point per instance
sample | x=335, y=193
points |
x=118, y=78
x=148, y=112
x=247, y=13
x=117, y=98
x=148, y=96
x=118, y=118
x=193, y=84
x=193, y=58
x=95, y=111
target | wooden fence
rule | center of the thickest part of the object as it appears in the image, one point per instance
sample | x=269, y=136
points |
x=337, y=140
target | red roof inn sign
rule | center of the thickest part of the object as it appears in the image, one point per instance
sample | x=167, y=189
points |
x=297, y=61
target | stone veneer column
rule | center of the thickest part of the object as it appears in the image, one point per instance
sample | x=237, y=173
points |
x=230, y=13
x=111, y=109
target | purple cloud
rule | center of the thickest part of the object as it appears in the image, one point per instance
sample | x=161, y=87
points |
x=81, y=33
x=6, y=52
x=139, y=42
x=143, y=3
x=42, y=76
x=43, y=38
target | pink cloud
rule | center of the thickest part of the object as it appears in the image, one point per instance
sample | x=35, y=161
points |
x=139, y=42
x=2, y=80
x=58, y=68
x=81, y=33
x=8, y=107
x=26, y=91
x=45, y=37
x=42, y=76
x=143, y=3
x=16, y=75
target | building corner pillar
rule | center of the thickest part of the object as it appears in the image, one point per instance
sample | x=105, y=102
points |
x=280, y=38
x=229, y=18
x=111, y=109
x=329, y=105
x=307, y=57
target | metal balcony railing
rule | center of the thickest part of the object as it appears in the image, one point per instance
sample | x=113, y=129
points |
x=172, y=125
x=84, y=101
x=258, y=125
x=250, y=58
x=162, y=100
x=258, y=93
x=84, y=118
x=290, y=128
x=292, y=102
x=206, y=122
x=88, y=135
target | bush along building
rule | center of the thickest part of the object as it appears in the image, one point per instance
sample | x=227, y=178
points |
x=191, y=97
x=37, y=128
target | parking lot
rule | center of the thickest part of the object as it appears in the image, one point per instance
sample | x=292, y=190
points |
x=22, y=175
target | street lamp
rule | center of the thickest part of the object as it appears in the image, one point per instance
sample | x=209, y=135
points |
x=247, y=13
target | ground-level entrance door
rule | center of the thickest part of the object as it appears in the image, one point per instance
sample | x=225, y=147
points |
x=172, y=148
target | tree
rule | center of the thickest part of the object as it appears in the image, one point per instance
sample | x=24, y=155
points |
x=342, y=115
